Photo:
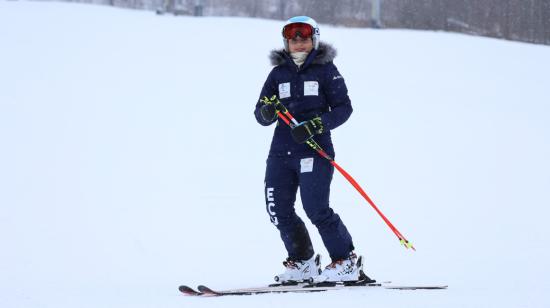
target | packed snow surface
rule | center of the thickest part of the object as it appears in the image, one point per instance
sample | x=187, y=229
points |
x=131, y=163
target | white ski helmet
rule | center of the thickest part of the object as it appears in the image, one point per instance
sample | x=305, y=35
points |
x=303, y=20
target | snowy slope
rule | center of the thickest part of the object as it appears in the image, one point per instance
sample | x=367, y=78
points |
x=130, y=161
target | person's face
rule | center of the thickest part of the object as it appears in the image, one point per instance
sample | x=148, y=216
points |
x=299, y=44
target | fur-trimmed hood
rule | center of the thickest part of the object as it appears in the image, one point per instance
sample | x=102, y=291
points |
x=325, y=54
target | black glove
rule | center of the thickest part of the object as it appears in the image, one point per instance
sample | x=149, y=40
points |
x=268, y=113
x=305, y=130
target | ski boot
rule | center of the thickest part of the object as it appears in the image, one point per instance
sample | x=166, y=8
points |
x=348, y=271
x=299, y=270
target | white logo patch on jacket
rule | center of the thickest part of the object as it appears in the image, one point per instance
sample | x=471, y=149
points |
x=311, y=88
x=284, y=90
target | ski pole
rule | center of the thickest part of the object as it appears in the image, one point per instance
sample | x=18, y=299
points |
x=286, y=116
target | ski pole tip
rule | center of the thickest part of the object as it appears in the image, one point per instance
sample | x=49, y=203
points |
x=407, y=244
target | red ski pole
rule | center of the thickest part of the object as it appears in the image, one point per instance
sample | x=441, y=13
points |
x=285, y=115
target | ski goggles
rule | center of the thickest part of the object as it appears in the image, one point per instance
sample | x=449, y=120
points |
x=297, y=29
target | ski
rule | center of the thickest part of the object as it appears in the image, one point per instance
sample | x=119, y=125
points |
x=300, y=288
x=203, y=290
x=419, y=287
x=206, y=291
x=188, y=291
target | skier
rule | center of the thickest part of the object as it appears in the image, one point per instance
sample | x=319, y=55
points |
x=308, y=84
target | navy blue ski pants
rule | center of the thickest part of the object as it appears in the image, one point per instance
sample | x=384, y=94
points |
x=313, y=176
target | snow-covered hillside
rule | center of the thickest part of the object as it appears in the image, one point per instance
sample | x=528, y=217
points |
x=130, y=162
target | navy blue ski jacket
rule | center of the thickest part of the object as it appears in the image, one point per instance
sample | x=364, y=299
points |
x=314, y=89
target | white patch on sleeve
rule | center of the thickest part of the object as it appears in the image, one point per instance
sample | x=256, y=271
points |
x=306, y=165
x=284, y=90
x=311, y=88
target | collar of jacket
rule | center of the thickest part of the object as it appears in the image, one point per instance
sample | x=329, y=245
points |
x=324, y=54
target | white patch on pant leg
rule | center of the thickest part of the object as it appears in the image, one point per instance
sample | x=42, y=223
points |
x=306, y=165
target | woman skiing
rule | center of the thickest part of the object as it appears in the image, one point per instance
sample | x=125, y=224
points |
x=308, y=84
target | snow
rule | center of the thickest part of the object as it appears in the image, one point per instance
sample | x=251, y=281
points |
x=131, y=162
